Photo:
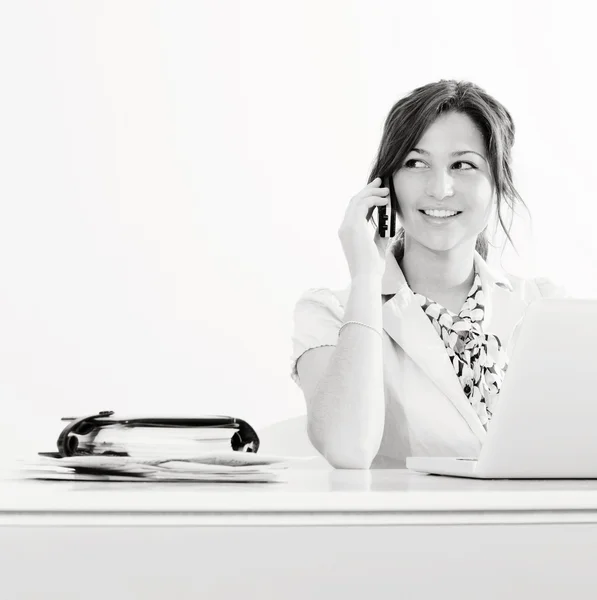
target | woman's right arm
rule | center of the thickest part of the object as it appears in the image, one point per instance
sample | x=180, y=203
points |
x=343, y=384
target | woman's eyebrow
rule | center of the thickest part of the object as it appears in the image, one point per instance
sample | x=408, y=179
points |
x=457, y=153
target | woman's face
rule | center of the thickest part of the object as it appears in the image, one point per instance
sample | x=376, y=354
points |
x=448, y=171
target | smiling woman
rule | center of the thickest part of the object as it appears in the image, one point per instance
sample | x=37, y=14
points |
x=445, y=137
x=409, y=358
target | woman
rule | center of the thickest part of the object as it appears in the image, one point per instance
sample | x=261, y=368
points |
x=408, y=360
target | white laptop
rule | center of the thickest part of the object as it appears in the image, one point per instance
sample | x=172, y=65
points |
x=545, y=422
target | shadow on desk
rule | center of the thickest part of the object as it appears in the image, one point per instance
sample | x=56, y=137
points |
x=289, y=438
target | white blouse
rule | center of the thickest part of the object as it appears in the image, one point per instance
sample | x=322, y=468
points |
x=427, y=410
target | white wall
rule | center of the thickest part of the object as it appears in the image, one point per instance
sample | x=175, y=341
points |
x=174, y=173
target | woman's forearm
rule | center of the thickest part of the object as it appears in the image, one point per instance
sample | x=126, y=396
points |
x=347, y=411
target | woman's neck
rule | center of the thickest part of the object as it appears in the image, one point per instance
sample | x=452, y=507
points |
x=431, y=273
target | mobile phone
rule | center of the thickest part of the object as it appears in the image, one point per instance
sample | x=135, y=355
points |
x=387, y=215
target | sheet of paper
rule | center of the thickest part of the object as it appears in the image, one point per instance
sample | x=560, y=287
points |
x=211, y=466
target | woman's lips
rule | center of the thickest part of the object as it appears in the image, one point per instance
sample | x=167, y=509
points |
x=440, y=220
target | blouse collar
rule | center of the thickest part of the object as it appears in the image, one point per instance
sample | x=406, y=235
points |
x=393, y=280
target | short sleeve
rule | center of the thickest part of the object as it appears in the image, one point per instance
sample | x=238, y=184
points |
x=549, y=289
x=317, y=319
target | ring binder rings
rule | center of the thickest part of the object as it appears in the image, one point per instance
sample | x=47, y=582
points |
x=243, y=436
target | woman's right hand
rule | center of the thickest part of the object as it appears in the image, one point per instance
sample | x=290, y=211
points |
x=365, y=253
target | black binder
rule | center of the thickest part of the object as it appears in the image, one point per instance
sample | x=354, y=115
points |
x=243, y=437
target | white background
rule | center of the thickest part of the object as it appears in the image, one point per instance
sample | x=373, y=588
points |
x=173, y=175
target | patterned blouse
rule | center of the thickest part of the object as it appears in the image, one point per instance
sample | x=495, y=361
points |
x=478, y=358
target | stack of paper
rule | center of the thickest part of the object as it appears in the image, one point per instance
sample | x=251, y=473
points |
x=225, y=465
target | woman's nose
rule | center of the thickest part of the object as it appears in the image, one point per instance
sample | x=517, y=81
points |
x=440, y=184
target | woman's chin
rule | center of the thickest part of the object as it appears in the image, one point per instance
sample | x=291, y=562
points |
x=443, y=245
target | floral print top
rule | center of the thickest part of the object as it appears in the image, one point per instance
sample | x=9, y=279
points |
x=479, y=359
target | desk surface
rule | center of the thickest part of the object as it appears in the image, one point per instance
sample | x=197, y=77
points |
x=303, y=491
x=322, y=533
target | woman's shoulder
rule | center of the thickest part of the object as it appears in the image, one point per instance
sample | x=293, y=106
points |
x=317, y=317
x=331, y=298
x=539, y=286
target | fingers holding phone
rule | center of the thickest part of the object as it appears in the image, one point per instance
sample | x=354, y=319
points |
x=365, y=254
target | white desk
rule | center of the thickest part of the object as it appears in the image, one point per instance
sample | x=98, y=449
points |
x=323, y=534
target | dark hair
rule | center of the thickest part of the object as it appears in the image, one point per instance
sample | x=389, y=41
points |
x=410, y=117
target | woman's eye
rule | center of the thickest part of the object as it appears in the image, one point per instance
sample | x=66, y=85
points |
x=409, y=163
x=470, y=165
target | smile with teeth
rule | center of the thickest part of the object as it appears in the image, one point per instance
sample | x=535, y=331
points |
x=443, y=214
